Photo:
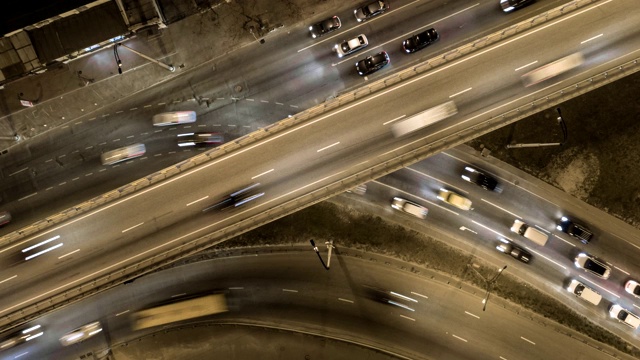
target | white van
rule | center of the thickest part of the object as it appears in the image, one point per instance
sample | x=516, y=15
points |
x=122, y=154
x=582, y=291
x=529, y=232
x=174, y=118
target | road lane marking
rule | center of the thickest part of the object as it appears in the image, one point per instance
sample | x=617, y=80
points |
x=459, y=338
x=467, y=229
x=470, y=314
x=622, y=270
x=122, y=313
x=21, y=355
x=488, y=228
x=459, y=93
x=177, y=295
x=236, y=288
x=392, y=120
x=195, y=201
x=264, y=173
x=403, y=296
x=542, y=229
x=542, y=256
x=326, y=147
x=524, y=66
x=28, y=196
x=525, y=339
x=589, y=39
x=67, y=254
x=417, y=294
x=289, y=290
x=566, y=241
x=408, y=318
x=438, y=180
x=346, y=300
x=503, y=209
x=9, y=278
x=133, y=227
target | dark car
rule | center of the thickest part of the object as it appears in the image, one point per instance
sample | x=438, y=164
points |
x=20, y=337
x=420, y=41
x=514, y=250
x=200, y=139
x=238, y=198
x=511, y=5
x=576, y=230
x=481, y=179
x=373, y=63
x=370, y=10
x=325, y=27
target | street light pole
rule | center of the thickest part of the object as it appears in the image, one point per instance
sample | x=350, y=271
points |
x=161, y=64
x=329, y=247
x=490, y=284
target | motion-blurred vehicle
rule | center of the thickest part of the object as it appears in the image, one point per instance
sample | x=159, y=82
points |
x=424, y=119
x=420, y=41
x=350, y=46
x=455, y=199
x=325, y=26
x=576, y=230
x=409, y=207
x=179, y=309
x=41, y=247
x=592, y=265
x=238, y=198
x=632, y=287
x=5, y=218
x=387, y=297
x=372, y=63
x=584, y=292
x=371, y=9
x=514, y=250
x=174, y=118
x=511, y=5
x=624, y=316
x=122, y=154
x=80, y=334
x=479, y=178
x=200, y=139
x=552, y=69
x=359, y=190
x=529, y=232
x=21, y=337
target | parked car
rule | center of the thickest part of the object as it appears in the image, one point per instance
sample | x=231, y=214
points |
x=514, y=250
x=420, y=41
x=624, y=316
x=455, y=199
x=325, y=26
x=592, y=265
x=409, y=207
x=584, y=292
x=481, y=179
x=511, y=5
x=370, y=10
x=20, y=337
x=200, y=139
x=633, y=288
x=372, y=63
x=576, y=230
x=80, y=334
x=348, y=47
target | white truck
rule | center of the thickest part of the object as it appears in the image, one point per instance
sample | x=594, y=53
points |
x=424, y=119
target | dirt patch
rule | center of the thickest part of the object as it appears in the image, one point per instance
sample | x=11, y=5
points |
x=598, y=162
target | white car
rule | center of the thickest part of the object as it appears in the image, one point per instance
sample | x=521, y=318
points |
x=633, y=288
x=348, y=47
x=592, y=265
x=80, y=334
x=624, y=316
x=454, y=199
x=409, y=207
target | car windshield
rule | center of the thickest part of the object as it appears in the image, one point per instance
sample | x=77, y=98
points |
x=593, y=266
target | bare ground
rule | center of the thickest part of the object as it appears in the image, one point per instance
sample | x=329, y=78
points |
x=598, y=164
